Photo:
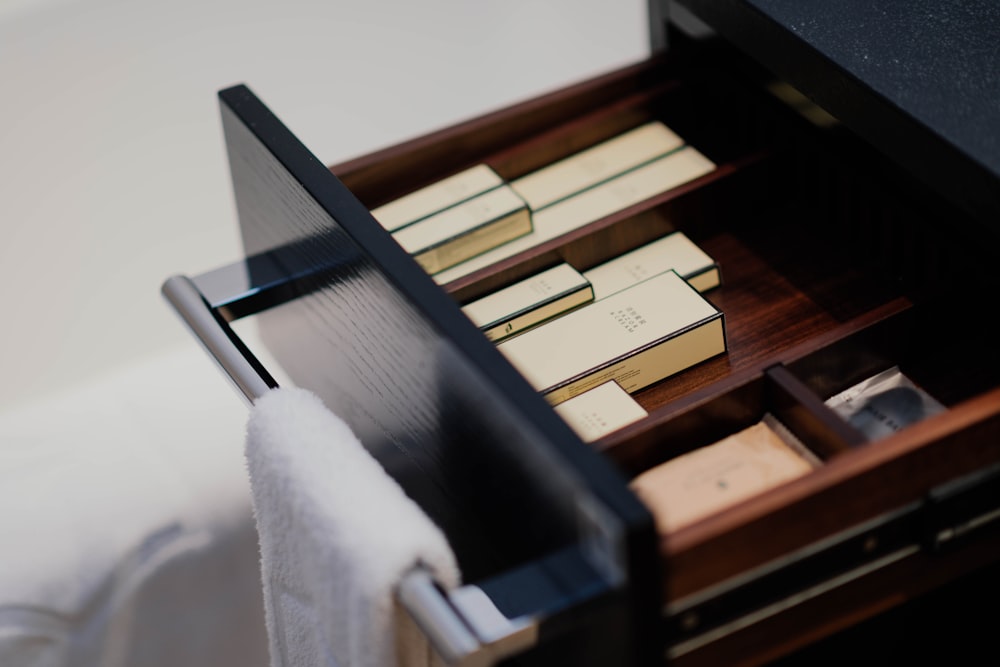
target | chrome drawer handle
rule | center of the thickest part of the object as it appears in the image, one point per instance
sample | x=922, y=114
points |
x=463, y=626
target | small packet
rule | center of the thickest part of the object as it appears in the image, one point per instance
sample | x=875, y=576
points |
x=884, y=403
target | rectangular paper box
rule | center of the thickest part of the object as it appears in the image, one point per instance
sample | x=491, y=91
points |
x=719, y=475
x=596, y=164
x=674, y=251
x=600, y=411
x=529, y=302
x=649, y=180
x=437, y=196
x=466, y=230
x=637, y=336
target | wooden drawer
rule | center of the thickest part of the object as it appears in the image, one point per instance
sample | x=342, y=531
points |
x=836, y=264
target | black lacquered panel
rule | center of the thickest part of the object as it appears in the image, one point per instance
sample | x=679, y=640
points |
x=391, y=353
x=919, y=80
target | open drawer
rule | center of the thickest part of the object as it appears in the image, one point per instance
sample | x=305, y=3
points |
x=836, y=265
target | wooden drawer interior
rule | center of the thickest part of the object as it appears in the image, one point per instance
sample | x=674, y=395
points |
x=835, y=266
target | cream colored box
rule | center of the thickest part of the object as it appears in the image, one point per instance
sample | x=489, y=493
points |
x=466, y=230
x=722, y=474
x=647, y=181
x=638, y=336
x=529, y=302
x=596, y=164
x=600, y=411
x=436, y=197
x=674, y=251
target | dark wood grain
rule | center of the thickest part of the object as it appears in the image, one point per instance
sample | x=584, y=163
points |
x=855, y=486
x=834, y=265
x=813, y=620
x=822, y=430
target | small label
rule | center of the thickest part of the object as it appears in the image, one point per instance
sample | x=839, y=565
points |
x=629, y=318
x=599, y=411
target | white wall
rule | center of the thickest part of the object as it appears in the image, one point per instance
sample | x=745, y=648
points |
x=115, y=429
x=112, y=167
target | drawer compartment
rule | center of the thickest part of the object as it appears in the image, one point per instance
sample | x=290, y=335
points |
x=835, y=267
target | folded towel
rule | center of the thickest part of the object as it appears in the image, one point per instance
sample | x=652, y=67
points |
x=126, y=523
x=337, y=534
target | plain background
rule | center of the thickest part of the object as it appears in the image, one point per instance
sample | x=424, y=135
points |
x=113, y=177
x=115, y=428
x=112, y=167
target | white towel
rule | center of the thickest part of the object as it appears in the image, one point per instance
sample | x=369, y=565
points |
x=337, y=534
x=126, y=530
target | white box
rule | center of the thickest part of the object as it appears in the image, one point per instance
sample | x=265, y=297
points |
x=466, y=230
x=600, y=411
x=529, y=302
x=674, y=251
x=647, y=181
x=596, y=164
x=436, y=197
x=637, y=336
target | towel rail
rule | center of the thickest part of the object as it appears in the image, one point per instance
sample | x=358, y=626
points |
x=463, y=625
x=236, y=361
